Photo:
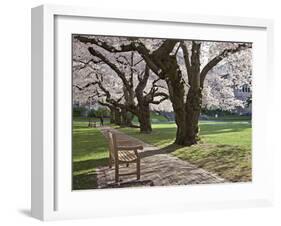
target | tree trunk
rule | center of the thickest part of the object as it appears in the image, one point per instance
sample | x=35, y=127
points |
x=186, y=114
x=187, y=111
x=193, y=98
x=129, y=118
x=144, y=119
x=126, y=118
x=193, y=109
x=187, y=117
x=117, y=117
x=112, y=116
x=177, y=92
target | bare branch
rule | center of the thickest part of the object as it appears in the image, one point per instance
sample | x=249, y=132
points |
x=135, y=45
x=86, y=64
x=150, y=97
x=96, y=94
x=142, y=81
x=131, y=63
x=121, y=75
x=186, y=60
x=104, y=45
x=164, y=97
x=161, y=94
x=86, y=86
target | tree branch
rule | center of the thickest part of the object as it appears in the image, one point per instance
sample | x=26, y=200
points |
x=96, y=94
x=121, y=75
x=104, y=45
x=86, y=86
x=150, y=97
x=131, y=63
x=87, y=63
x=186, y=60
x=165, y=97
x=142, y=81
x=106, y=104
x=135, y=45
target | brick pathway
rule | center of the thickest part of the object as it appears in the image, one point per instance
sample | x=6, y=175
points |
x=157, y=169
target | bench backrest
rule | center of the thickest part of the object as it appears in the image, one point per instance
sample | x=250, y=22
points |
x=112, y=144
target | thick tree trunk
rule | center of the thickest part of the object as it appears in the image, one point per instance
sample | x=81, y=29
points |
x=126, y=118
x=186, y=113
x=187, y=118
x=193, y=109
x=117, y=117
x=112, y=116
x=129, y=118
x=144, y=119
x=176, y=91
x=180, y=115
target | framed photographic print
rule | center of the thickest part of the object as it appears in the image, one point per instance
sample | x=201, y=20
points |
x=137, y=112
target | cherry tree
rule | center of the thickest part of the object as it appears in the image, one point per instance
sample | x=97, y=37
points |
x=86, y=71
x=185, y=81
x=140, y=87
x=226, y=78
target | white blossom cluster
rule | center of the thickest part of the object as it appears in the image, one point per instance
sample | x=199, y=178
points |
x=218, y=93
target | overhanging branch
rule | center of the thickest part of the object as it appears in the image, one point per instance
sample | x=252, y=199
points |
x=86, y=86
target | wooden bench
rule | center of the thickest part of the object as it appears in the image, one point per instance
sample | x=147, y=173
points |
x=123, y=152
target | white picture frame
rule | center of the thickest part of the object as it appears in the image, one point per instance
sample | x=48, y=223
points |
x=46, y=162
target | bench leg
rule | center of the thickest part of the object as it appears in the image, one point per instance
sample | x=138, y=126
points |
x=110, y=161
x=138, y=168
x=116, y=172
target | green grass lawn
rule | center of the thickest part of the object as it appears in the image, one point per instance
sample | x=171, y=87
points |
x=89, y=151
x=230, y=118
x=155, y=118
x=225, y=149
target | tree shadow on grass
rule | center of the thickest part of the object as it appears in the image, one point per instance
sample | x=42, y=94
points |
x=165, y=150
x=159, y=135
x=211, y=129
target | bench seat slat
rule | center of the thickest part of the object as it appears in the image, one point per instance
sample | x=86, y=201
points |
x=126, y=156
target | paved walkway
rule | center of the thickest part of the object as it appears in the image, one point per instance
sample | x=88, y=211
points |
x=157, y=169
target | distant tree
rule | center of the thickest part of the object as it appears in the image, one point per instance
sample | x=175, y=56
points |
x=110, y=75
x=91, y=113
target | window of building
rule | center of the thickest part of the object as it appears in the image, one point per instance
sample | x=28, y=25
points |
x=246, y=89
